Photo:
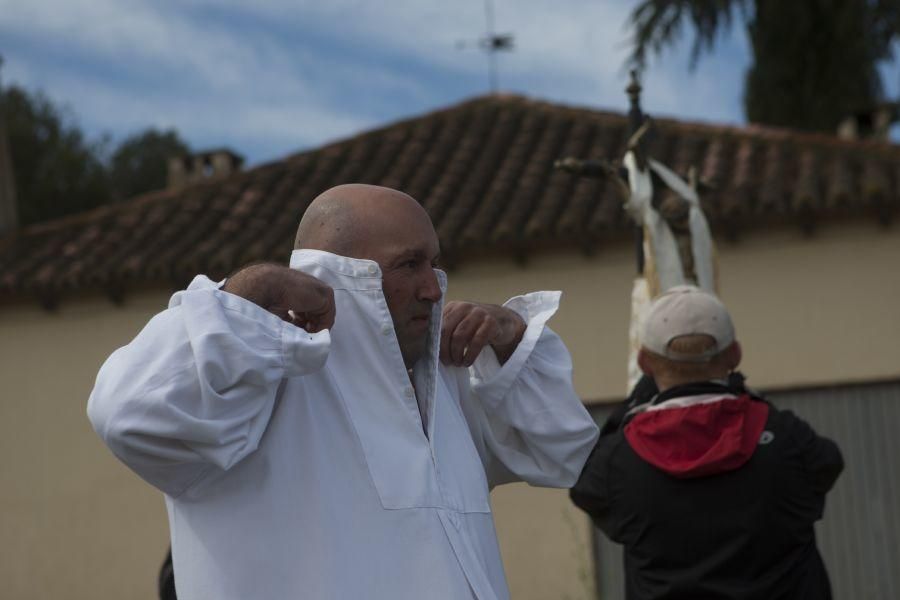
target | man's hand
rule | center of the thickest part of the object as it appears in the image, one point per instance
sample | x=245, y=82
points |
x=468, y=327
x=291, y=295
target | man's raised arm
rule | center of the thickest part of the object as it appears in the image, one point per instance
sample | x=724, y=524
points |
x=193, y=392
x=526, y=419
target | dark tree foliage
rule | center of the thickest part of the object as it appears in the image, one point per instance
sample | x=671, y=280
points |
x=140, y=162
x=57, y=172
x=814, y=61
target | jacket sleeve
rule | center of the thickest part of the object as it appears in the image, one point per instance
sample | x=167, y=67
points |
x=527, y=422
x=820, y=458
x=193, y=392
x=592, y=492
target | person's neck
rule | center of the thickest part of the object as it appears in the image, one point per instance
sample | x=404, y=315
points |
x=664, y=384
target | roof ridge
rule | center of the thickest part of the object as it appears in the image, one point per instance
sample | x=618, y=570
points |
x=751, y=130
x=401, y=122
x=482, y=167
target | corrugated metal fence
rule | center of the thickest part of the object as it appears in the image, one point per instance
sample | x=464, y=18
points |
x=860, y=535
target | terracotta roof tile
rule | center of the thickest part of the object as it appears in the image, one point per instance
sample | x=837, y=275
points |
x=483, y=171
x=838, y=181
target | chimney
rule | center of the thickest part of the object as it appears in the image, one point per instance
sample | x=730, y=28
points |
x=9, y=213
x=203, y=166
x=872, y=124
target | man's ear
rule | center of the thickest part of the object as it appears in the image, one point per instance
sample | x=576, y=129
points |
x=733, y=355
x=643, y=362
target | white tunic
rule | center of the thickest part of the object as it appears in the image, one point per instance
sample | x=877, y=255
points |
x=296, y=465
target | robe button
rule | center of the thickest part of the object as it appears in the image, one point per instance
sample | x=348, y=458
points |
x=386, y=329
x=373, y=269
x=410, y=392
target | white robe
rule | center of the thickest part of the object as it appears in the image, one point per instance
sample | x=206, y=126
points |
x=296, y=465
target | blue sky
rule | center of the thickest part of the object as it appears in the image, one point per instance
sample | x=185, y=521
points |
x=271, y=77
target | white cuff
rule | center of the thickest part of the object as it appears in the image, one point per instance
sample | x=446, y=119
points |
x=301, y=352
x=491, y=380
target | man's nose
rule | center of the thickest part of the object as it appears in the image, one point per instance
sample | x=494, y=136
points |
x=429, y=287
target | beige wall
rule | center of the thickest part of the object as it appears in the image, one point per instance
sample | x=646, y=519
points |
x=76, y=524
x=808, y=311
x=817, y=311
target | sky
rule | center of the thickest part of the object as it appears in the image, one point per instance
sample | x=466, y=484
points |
x=268, y=78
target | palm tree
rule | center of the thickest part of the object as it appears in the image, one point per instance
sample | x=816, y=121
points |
x=814, y=61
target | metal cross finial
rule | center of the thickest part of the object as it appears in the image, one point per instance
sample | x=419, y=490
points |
x=634, y=90
x=636, y=116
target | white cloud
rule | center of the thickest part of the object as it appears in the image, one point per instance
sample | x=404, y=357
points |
x=302, y=72
x=278, y=120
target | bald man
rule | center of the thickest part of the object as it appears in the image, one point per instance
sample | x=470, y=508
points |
x=329, y=429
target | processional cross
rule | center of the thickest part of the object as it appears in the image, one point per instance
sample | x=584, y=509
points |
x=673, y=242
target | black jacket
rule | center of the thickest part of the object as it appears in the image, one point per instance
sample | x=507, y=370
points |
x=713, y=495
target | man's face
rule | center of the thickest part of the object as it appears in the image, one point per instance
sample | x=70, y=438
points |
x=406, y=248
x=410, y=289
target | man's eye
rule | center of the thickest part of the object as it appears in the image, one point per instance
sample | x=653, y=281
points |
x=411, y=264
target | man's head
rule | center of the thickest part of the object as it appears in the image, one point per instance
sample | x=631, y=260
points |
x=687, y=336
x=392, y=229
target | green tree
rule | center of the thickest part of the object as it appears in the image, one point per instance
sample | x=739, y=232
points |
x=814, y=61
x=140, y=163
x=57, y=172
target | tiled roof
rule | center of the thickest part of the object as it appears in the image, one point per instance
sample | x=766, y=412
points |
x=483, y=169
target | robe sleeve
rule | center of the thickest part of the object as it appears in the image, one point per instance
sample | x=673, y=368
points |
x=527, y=421
x=193, y=392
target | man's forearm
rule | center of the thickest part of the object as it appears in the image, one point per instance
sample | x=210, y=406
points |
x=511, y=321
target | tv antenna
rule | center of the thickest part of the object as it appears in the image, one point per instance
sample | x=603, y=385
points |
x=492, y=43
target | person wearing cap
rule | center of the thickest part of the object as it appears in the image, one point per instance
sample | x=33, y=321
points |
x=712, y=490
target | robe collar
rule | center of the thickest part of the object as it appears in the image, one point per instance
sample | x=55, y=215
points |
x=362, y=275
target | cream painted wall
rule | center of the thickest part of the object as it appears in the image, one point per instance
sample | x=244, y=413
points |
x=74, y=522
x=816, y=311
x=77, y=525
x=545, y=542
x=808, y=311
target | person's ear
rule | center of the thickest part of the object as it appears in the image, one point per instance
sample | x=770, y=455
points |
x=644, y=362
x=733, y=355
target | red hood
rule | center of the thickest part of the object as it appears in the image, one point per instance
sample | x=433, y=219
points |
x=696, y=436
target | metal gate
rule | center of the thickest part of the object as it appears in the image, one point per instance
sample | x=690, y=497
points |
x=859, y=538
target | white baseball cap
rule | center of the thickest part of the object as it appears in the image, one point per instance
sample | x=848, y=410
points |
x=686, y=310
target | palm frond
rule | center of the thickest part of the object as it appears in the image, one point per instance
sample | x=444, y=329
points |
x=657, y=24
x=884, y=25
